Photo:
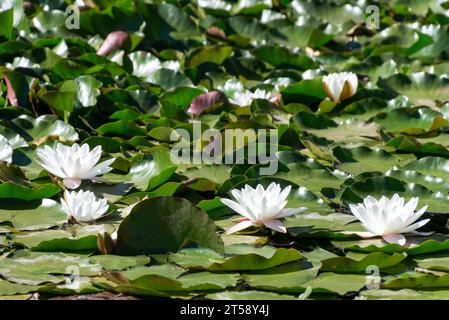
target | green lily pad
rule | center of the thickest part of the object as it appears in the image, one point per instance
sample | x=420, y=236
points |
x=421, y=88
x=238, y=257
x=412, y=120
x=45, y=126
x=115, y=263
x=10, y=288
x=147, y=174
x=348, y=265
x=37, y=192
x=163, y=224
x=249, y=295
x=403, y=294
x=417, y=245
x=315, y=225
x=363, y=159
x=48, y=214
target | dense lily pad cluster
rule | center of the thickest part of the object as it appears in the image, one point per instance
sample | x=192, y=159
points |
x=92, y=93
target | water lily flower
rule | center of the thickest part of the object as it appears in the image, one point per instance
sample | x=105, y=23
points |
x=5, y=150
x=261, y=94
x=245, y=98
x=340, y=86
x=73, y=164
x=389, y=218
x=261, y=207
x=242, y=98
x=83, y=206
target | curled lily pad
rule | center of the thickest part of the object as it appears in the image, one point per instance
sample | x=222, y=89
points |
x=238, y=257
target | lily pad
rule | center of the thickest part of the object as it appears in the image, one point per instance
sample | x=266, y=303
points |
x=164, y=224
x=238, y=257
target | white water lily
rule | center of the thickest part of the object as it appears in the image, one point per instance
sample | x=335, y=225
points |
x=73, y=164
x=244, y=99
x=340, y=86
x=389, y=218
x=261, y=207
x=83, y=206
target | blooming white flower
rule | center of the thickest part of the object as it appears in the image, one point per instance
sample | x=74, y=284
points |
x=83, y=206
x=5, y=150
x=261, y=206
x=340, y=86
x=389, y=218
x=73, y=164
x=244, y=99
x=261, y=94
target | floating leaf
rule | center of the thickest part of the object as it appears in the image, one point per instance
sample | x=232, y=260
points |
x=164, y=224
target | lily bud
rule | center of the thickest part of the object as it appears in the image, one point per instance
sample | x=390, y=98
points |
x=340, y=86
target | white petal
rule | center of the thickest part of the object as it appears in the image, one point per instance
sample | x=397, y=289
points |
x=237, y=208
x=284, y=194
x=72, y=183
x=275, y=225
x=395, y=238
x=414, y=216
x=414, y=226
x=290, y=212
x=101, y=168
x=240, y=226
x=423, y=234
